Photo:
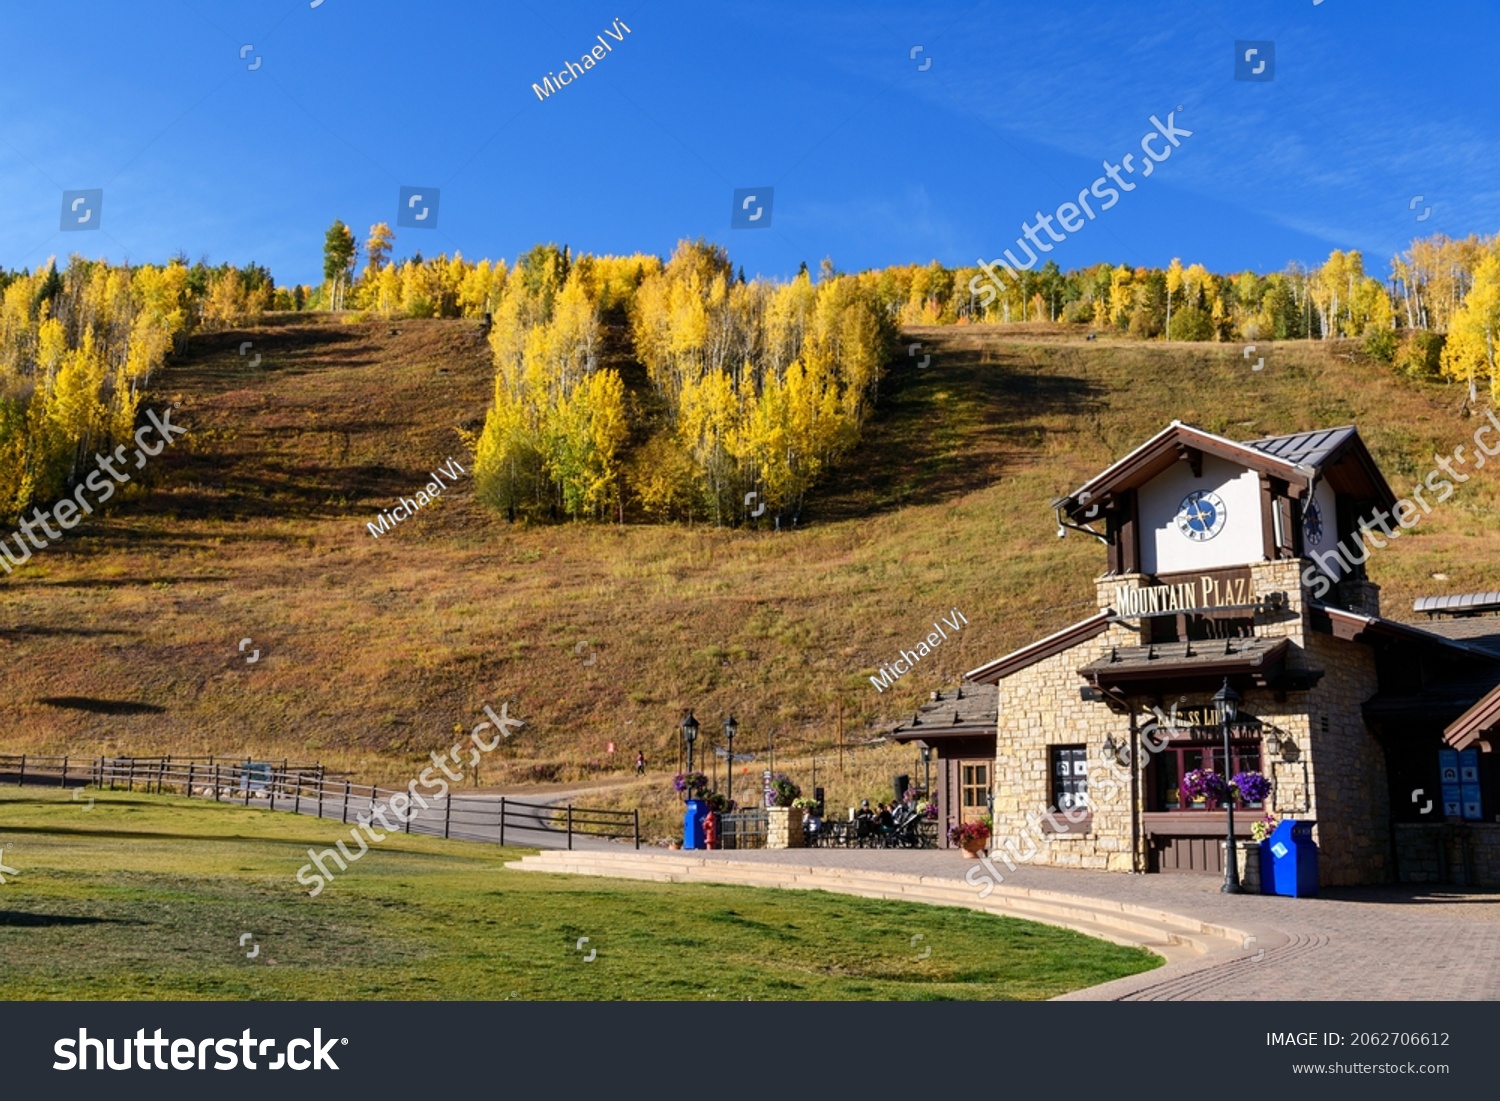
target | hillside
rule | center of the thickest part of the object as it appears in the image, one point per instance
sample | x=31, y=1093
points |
x=124, y=637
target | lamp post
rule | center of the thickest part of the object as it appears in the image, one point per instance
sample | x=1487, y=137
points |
x=1228, y=701
x=927, y=771
x=690, y=735
x=731, y=728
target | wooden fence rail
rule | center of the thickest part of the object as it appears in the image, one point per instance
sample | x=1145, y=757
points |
x=308, y=788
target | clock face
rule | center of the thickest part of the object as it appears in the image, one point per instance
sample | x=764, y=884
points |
x=1201, y=516
x=1312, y=523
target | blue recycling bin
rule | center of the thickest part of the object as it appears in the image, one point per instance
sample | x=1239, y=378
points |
x=692, y=823
x=1289, y=861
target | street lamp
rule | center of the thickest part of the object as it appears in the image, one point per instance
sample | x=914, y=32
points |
x=731, y=728
x=927, y=771
x=1228, y=702
x=690, y=734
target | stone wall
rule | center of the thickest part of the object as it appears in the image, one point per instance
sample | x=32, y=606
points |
x=783, y=828
x=1350, y=791
x=1040, y=707
x=1463, y=855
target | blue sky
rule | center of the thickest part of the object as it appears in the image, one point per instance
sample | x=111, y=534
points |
x=874, y=159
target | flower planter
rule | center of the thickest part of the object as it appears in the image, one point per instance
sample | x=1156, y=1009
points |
x=972, y=850
x=783, y=828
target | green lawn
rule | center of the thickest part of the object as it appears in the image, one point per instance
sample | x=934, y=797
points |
x=146, y=897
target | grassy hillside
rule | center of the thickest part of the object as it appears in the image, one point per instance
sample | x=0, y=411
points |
x=124, y=637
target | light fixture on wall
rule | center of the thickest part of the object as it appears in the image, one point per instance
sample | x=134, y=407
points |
x=1119, y=752
x=1280, y=745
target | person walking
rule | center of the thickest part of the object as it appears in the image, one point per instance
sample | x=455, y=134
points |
x=640, y=763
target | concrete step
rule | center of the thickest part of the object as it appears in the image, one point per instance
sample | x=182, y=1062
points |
x=1173, y=936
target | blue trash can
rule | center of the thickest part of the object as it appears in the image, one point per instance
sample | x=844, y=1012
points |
x=1289, y=860
x=692, y=823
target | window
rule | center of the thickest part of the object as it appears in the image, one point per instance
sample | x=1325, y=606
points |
x=974, y=791
x=1176, y=761
x=1070, y=781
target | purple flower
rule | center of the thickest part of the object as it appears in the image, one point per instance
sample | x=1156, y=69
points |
x=1252, y=786
x=1202, y=784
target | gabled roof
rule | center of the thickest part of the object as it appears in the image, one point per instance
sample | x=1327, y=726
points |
x=1054, y=644
x=1478, y=724
x=1357, y=627
x=1335, y=454
x=1315, y=449
x=1482, y=631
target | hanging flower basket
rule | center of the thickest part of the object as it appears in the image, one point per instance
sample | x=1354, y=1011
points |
x=1202, y=784
x=1253, y=787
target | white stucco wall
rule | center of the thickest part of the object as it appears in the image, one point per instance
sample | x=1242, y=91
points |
x=1164, y=549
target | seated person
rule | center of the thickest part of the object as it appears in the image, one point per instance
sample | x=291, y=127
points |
x=812, y=824
x=884, y=817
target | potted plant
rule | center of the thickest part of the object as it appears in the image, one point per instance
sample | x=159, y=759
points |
x=690, y=785
x=1252, y=787
x=783, y=818
x=928, y=810
x=971, y=837
x=784, y=792
x=1262, y=828
x=1200, y=784
x=718, y=804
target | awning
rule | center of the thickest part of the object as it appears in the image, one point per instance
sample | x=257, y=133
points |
x=1262, y=661
x=957, y=723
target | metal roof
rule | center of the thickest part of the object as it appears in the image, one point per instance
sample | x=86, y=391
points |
x=1458, y=603
x=975, y=706
x=1309, y=448
x=1476, y=630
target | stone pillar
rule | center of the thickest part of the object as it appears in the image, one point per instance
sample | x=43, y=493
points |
x=783, y=828
x=1250, y=866
x=1126, y=633
x=1360, y=596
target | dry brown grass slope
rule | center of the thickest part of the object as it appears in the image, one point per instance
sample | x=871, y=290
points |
x=124, y=636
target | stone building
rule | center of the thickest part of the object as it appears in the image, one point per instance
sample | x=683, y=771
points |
x=1240, y=563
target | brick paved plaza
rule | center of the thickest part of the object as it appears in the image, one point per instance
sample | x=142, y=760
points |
x=1349, y=944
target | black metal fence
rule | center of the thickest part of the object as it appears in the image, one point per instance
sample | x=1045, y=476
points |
x=743, y=829
x=308, y=788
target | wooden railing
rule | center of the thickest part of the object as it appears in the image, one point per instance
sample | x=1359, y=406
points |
x=308, y=788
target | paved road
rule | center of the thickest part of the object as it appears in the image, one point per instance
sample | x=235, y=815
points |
x=476, y=817
x=1406, y=943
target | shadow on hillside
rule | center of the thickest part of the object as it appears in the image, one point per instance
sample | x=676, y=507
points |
x=102, y=707
x=110, y=583
x=15, y=919
x=948, y=429
x=55, y=632
x=226, y=486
